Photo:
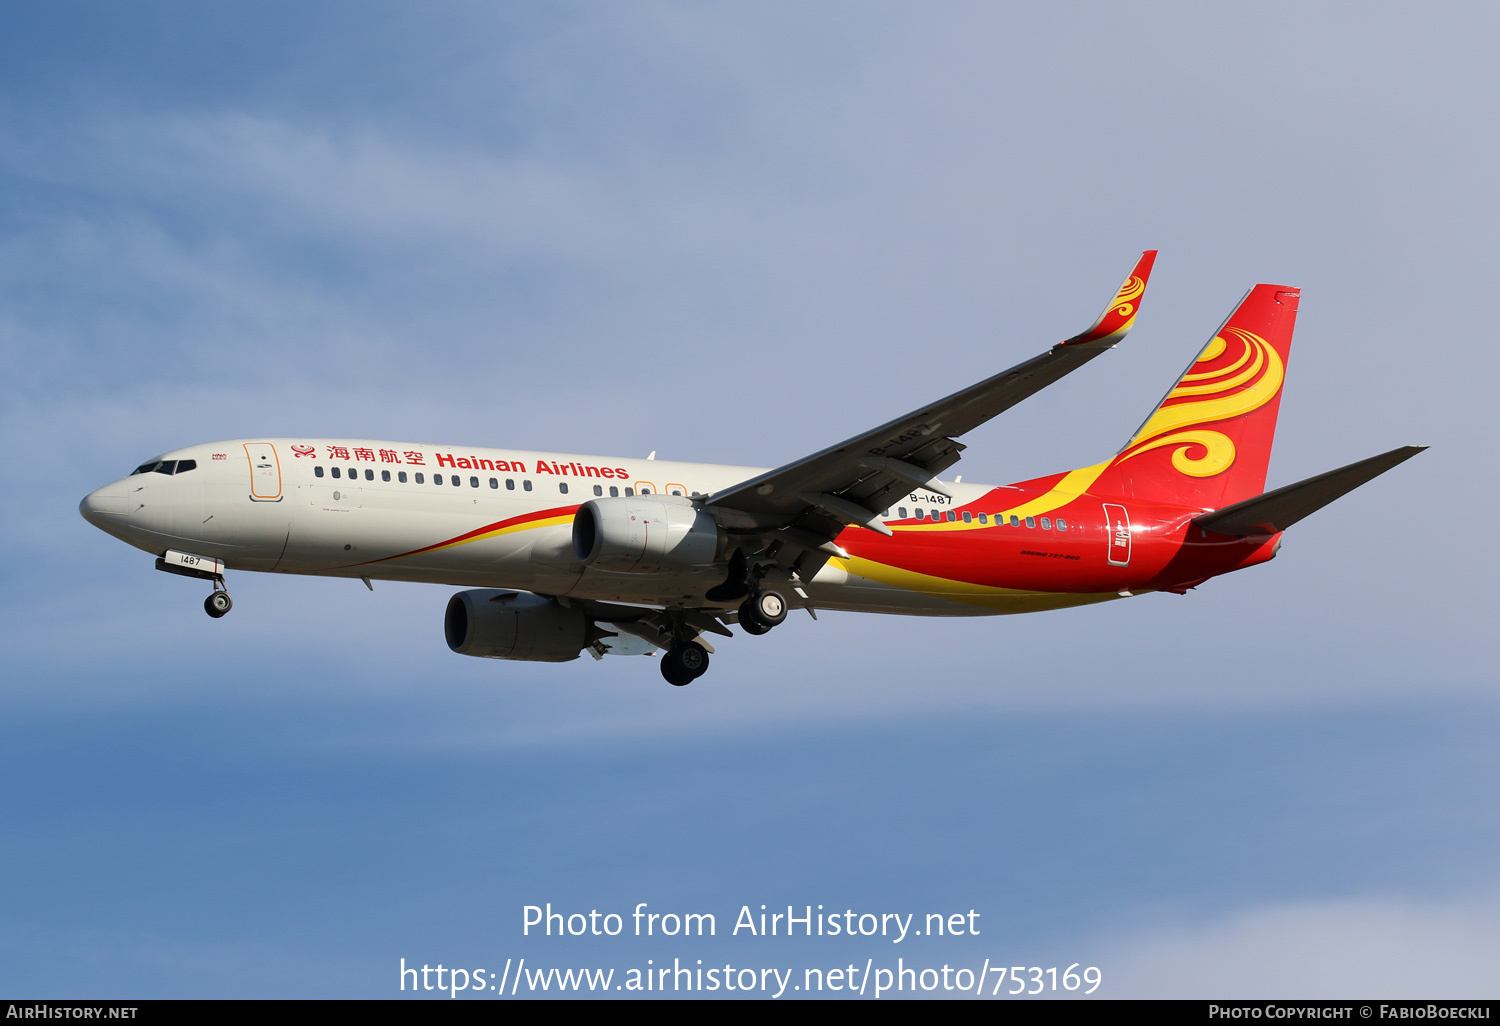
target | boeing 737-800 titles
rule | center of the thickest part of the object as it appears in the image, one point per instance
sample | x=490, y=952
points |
x=564, y=554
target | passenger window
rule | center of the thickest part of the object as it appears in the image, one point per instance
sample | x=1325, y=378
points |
x=494, y=483
x=183, y=466
x=952, y=516
x=598, y=489
x=1015, y=521
x=455, y=481
x=920, y=515
x=419, y=477
x=1046, y=524
x=968, y=517
x=317, y=471
x=678, y=491
x=984, y=518
x=369, y=474
x=334, y=471
x=936, y=515
x=1031, y=521
x=562, y=486
x=473, y=482
x=401, y=476
x=1062, y=525
x=385, y=475
x=526, y=485
x=645, y=491
x=901, y=512
x=437, y=479
x=510, y=484
x=354, y=473
x=614, y=491
x=628, y=490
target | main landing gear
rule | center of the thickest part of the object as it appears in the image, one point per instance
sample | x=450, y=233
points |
x=684, y=663
x=218, y=603
x=687, y=660
x=762, y=611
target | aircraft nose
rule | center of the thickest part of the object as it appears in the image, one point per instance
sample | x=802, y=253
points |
x=104, y=506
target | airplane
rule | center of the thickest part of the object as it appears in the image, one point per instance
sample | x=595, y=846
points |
x=561, y=554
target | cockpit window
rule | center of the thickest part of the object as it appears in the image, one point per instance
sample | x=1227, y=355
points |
x=168, y=467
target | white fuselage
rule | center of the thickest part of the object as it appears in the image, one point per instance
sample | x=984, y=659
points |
x=477, y=518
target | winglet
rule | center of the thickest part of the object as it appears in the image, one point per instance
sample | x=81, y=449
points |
x=1119, y=315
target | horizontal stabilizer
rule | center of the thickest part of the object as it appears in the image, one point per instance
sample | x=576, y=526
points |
x=1279, y=509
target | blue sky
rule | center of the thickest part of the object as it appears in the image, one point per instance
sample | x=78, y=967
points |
x=737, y=233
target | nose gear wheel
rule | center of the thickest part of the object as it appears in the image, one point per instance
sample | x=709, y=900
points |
x=218, y=602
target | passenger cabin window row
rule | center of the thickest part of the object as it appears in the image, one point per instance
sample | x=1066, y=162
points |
x=952, y=516
x=417, y=477
x=165, y=467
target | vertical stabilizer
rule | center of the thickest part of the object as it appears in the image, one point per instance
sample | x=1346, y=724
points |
x=1207, y=444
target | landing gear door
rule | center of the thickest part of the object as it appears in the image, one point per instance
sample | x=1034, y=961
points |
x=265, y=472
x=1117, y=524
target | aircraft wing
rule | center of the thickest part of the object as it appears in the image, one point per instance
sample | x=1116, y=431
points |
x=850, y=483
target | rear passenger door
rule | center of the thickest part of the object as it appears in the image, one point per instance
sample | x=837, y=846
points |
x=1117, y=527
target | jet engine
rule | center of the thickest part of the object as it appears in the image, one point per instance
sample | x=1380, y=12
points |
x=515, y=625
x=644, y=535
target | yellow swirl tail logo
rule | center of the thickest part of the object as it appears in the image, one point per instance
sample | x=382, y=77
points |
x=1251, y=378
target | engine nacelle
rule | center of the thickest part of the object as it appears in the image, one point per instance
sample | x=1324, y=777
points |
x=512, y=625
x=645, y=534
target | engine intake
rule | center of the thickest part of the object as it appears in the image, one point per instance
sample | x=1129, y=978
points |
x=514, y=625
x=645, y=534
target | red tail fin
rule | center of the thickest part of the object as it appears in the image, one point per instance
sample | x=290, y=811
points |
x=1208, y=443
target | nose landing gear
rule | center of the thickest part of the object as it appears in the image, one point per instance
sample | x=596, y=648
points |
x=205, y=568
x=218, y=602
